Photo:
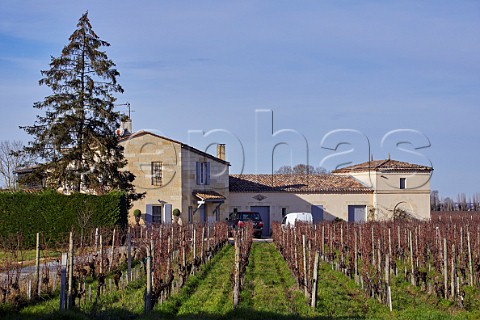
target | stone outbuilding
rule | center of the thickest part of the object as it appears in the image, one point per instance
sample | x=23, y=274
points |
x=374, y=190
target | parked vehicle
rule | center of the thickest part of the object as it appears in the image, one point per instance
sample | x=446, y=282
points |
x=291, y=218
x=238, y=219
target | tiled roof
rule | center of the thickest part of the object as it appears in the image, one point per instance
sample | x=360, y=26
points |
x=325, y=183
x=385, y=166
x=208, y=195
x=184, y=146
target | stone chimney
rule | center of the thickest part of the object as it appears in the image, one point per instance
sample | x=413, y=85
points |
x=126, y=126
x=221, y=151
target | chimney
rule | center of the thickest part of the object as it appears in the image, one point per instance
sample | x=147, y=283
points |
x=221, y=151
x=126, y=126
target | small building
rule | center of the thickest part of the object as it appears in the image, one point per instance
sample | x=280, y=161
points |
x=175, y=175
x=399, y=188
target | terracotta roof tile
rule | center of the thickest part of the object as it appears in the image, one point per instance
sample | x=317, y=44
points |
x=384, y=166
x=326, y=183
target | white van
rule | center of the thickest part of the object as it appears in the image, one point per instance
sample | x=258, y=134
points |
x=293, y=217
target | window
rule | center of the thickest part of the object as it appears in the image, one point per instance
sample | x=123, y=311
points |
x=156, y=173
x=203, y=173
x=284, y=212
x=403, y=183
x=157, y=214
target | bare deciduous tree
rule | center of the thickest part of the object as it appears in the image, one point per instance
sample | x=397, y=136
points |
x=10, y=160
x=301, y=169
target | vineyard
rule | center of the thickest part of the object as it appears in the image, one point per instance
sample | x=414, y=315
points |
x=440, y=258
x=404, y=269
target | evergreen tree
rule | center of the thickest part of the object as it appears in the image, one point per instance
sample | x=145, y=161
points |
x=75, y=138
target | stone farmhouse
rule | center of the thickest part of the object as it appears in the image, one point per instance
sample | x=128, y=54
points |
x=175, y=175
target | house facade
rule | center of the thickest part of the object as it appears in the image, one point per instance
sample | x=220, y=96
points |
x=175, y=175
x=374, y=190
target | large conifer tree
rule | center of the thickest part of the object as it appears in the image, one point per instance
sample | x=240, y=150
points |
x=75, y=138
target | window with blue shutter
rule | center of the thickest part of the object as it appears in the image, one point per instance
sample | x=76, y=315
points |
x=203, y=173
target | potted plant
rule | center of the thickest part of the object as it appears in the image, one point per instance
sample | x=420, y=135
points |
x=176, y=216
x=137, y=214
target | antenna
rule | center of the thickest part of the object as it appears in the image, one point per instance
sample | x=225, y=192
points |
x=129, y=109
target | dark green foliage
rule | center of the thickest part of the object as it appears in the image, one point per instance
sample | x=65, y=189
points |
x=56, y=214
x=74, y=139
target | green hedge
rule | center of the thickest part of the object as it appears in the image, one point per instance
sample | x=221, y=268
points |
x=56, y=214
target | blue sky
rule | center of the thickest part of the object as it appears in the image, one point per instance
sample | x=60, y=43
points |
x=403, y=72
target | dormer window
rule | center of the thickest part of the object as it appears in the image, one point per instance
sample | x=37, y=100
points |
x=403, y=183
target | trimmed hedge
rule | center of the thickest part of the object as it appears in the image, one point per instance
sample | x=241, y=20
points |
x=56, y=214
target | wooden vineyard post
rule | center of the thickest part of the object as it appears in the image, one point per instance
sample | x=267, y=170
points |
x=96, y=240
x=387, y=281
x=470, y=266
x=389, y=243
x=379, y=255
x=70, y=274
x=445, y=267
x=184, y=249
x=236, y=286
x=412, y=267
x=453, y=275
x=203, y=246
x=356, y=257
x=194, y=247
x=295, y=250
x=148, y=294
x=315, y=281
x=373, y=249
x=305, y=275
x=101, y=254
x=29, y=290
x=112, y=255
x=38, y=280
x=323, y=243
x=129, y=256
x=63, y=281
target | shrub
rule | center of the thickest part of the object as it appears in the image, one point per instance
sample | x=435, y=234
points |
x=56, y=214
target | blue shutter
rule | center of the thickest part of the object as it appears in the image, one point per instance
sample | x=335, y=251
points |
x=317, y=213
x=207, y=181
x=167, y=213
x=198, y=172
x=149, y=214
